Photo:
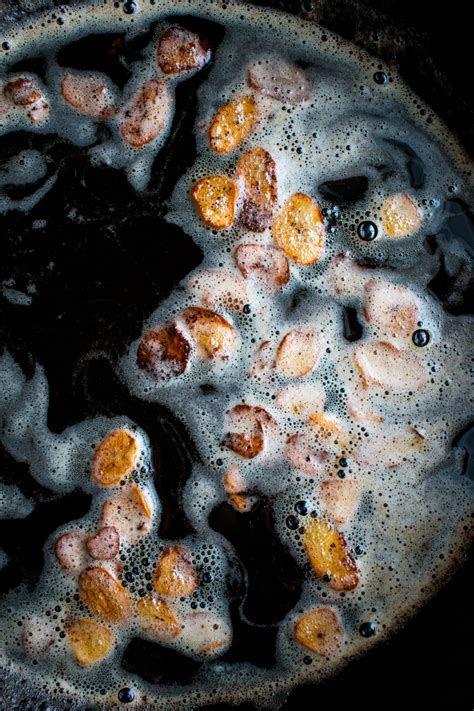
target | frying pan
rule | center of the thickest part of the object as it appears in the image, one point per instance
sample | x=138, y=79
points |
x=430, y=661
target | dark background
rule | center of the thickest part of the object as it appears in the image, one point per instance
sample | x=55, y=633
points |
x=430, y=663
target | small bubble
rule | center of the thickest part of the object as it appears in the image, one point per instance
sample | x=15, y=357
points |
x=367, y=629
x=130, y=7
x=421, y=338
x=301, y=507
x=380, y=78
x=126, y=695
x=367, y=231
x=292, y=522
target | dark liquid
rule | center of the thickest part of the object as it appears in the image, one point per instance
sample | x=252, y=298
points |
x=352, y=328
x=344, y=191
x=453, y=285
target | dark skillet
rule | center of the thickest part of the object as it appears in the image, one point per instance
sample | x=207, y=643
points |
x=430, y=662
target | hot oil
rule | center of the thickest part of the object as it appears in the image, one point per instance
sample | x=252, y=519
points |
x=104, y=252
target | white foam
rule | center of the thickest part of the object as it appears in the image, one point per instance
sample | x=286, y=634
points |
x=13, y=504
x=3, y=559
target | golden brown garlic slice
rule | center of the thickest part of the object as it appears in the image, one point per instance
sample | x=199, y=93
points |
x=90, y=641
x=212, y=335
x=320, y=631
x=175, y=574
x=318, y=447
x=115, y=458
x=104, y=595
x=359, y=407
x=302, y=399
x=206, y=634
x=26, y=94
x=298, y=353
x=180, y=50
x=157, y=619
x=391, y=446
x=232, y=124
x=70, y=551
x=308, y=457
x=261, y=361
x=400, y=215
x=89, y=94
x=345, y=278
x=329, y=429
x=247, y=430
x=37, y=637
x=280, y=80
x=146, y=115
x=216, y=198
x=164, y=352
x=299, y=229
x=235, y=486
x=219, y=288
x=339, y=499
x=105, y=545
x=383, y=365
x=233, y=481
x=257, y=178
x=394, y=310
x=129, y=512
x=22, y=91
x=242, y=502
x=329, y=555
x=264, y=264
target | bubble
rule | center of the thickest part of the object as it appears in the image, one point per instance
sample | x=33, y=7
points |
x=367, y=629
x=380, y=78
x=126, y=695
x=301, y=507
x=367, y=231
x=421, y=338
x=292, y=522
x=130, y=7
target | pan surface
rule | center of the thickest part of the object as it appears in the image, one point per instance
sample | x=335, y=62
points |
x=80, y=385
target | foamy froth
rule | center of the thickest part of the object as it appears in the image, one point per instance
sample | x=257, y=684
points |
x=293, y=406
